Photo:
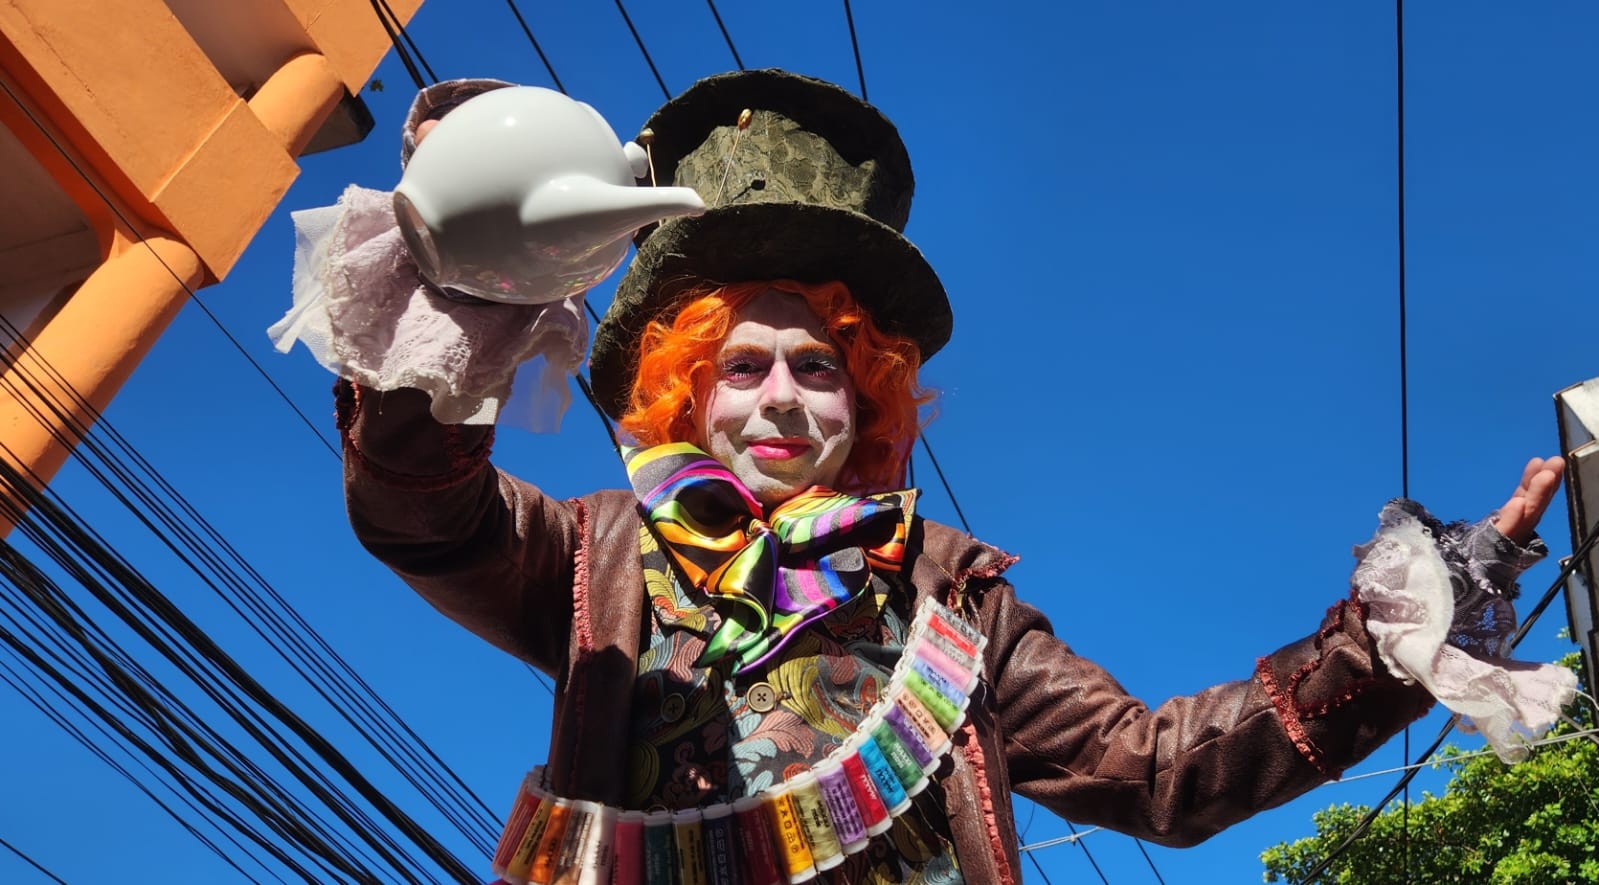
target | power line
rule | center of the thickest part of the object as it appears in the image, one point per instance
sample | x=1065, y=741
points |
x=855, y=45
x=30, y=861
x=536, y=47
x=128, y=224
x=640, y=41
x=725, y=35
x=1404, y=373
x=293, y=636
x=399, y=47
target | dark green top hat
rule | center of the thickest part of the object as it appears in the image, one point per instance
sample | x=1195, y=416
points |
x=816, y=187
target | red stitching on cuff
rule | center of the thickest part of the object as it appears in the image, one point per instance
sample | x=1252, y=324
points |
x=581, y=626
x=1288, y=715
x=348, y=400
x=974, y=757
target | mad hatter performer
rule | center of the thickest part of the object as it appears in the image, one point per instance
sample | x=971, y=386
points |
x=766, y=661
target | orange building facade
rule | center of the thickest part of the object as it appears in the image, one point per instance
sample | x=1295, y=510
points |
x=142, y=145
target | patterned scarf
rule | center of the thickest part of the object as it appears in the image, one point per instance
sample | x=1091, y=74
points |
x=767, y=576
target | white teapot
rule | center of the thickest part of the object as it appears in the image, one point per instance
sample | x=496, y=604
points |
x=523, y=195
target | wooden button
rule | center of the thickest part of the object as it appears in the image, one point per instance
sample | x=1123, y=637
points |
x=761, y=697
x=673, y=707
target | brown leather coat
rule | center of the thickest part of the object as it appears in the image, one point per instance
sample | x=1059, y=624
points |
x=558, y=584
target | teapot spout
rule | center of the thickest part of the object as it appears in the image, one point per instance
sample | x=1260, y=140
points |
x=583, y=208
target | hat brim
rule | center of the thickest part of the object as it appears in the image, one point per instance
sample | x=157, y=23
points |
x=887, y=276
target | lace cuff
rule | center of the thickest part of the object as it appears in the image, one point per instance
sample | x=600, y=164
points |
x=1439, y=611
x=362, y=311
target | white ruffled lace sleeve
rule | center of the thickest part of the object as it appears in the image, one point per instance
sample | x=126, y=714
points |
x=1438, y=606
x=362, y=311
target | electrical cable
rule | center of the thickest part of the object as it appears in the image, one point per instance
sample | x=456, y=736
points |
x=30, y=861
x=133, y=229
x=405, y=34
x=536, y=47
x=286, y=637
x=725, y=35
x=399, y=47
x=1059, y=840
x=237, y=346
x=640, y=41
x=860, y=71
x=1086, y=853
x=44, y=509
x=927, y=446
x=1544, y=601
x=1404, y=372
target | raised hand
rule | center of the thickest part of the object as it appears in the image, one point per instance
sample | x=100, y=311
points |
x=1539, y=481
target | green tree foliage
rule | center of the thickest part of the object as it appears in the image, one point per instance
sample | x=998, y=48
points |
x=1534, y=823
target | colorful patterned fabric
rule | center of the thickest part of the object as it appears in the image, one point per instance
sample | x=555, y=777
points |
x=696, y=740
x=767, y=575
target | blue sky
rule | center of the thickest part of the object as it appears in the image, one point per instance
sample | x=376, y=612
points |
x=1168, y=231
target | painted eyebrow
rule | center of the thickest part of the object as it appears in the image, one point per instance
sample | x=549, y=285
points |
x=804, y=350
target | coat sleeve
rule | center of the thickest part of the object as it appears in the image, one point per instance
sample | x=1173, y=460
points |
x=488, y=550
x=1076, y=742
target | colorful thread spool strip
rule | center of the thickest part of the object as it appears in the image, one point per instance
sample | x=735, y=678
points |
x=783, y=835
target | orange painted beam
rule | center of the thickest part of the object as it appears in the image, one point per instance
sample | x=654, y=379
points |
x=94, y=343
x=348, y=34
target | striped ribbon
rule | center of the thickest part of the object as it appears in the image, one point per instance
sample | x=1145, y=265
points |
x=768, y=575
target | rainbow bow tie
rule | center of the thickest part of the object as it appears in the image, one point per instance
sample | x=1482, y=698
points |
x=766, y=576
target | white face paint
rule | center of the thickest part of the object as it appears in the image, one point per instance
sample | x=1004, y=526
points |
x=780, y=408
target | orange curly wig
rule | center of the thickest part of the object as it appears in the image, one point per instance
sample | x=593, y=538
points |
x=676, y=361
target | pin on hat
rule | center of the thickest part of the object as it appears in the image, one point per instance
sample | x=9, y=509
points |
x=802, y=181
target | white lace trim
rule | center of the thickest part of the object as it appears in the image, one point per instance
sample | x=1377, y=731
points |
x=360, y=309
x=1406, y=585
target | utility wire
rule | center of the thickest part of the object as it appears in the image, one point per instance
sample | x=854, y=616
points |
x=1404, y=371
x=399, y=47
x=536, y=47
x=402, y=39
x=854, y=44
x=1059, y=840
x=1537, y=611
x=286, y=637
x=30, y=861
x=201, y=304
x=132, y=228
x=640, y=41
x=725, y=35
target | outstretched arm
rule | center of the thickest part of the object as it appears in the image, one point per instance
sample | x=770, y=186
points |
x=1519, y=516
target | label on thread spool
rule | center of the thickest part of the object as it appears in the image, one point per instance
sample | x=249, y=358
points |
x=756, y=843
x=627, y=849
x=940, y=683
x=847, y=819
x=516, y=871
x=794, y=850
x=816, y=822
x=549, y=850
x=721, y=848
x=889, y=789
x=528, y=797
x=597, y=852
x=689, y=838
x=947, y=646
x=910, y=738
x=925, y=727
x=660, y=856
x=945, y=714
x=944, y=628
x=874, y=814
x=906, y=769
x=581, y=822
x=962, y=677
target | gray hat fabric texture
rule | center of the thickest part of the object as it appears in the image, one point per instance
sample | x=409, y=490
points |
x=815, y=186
